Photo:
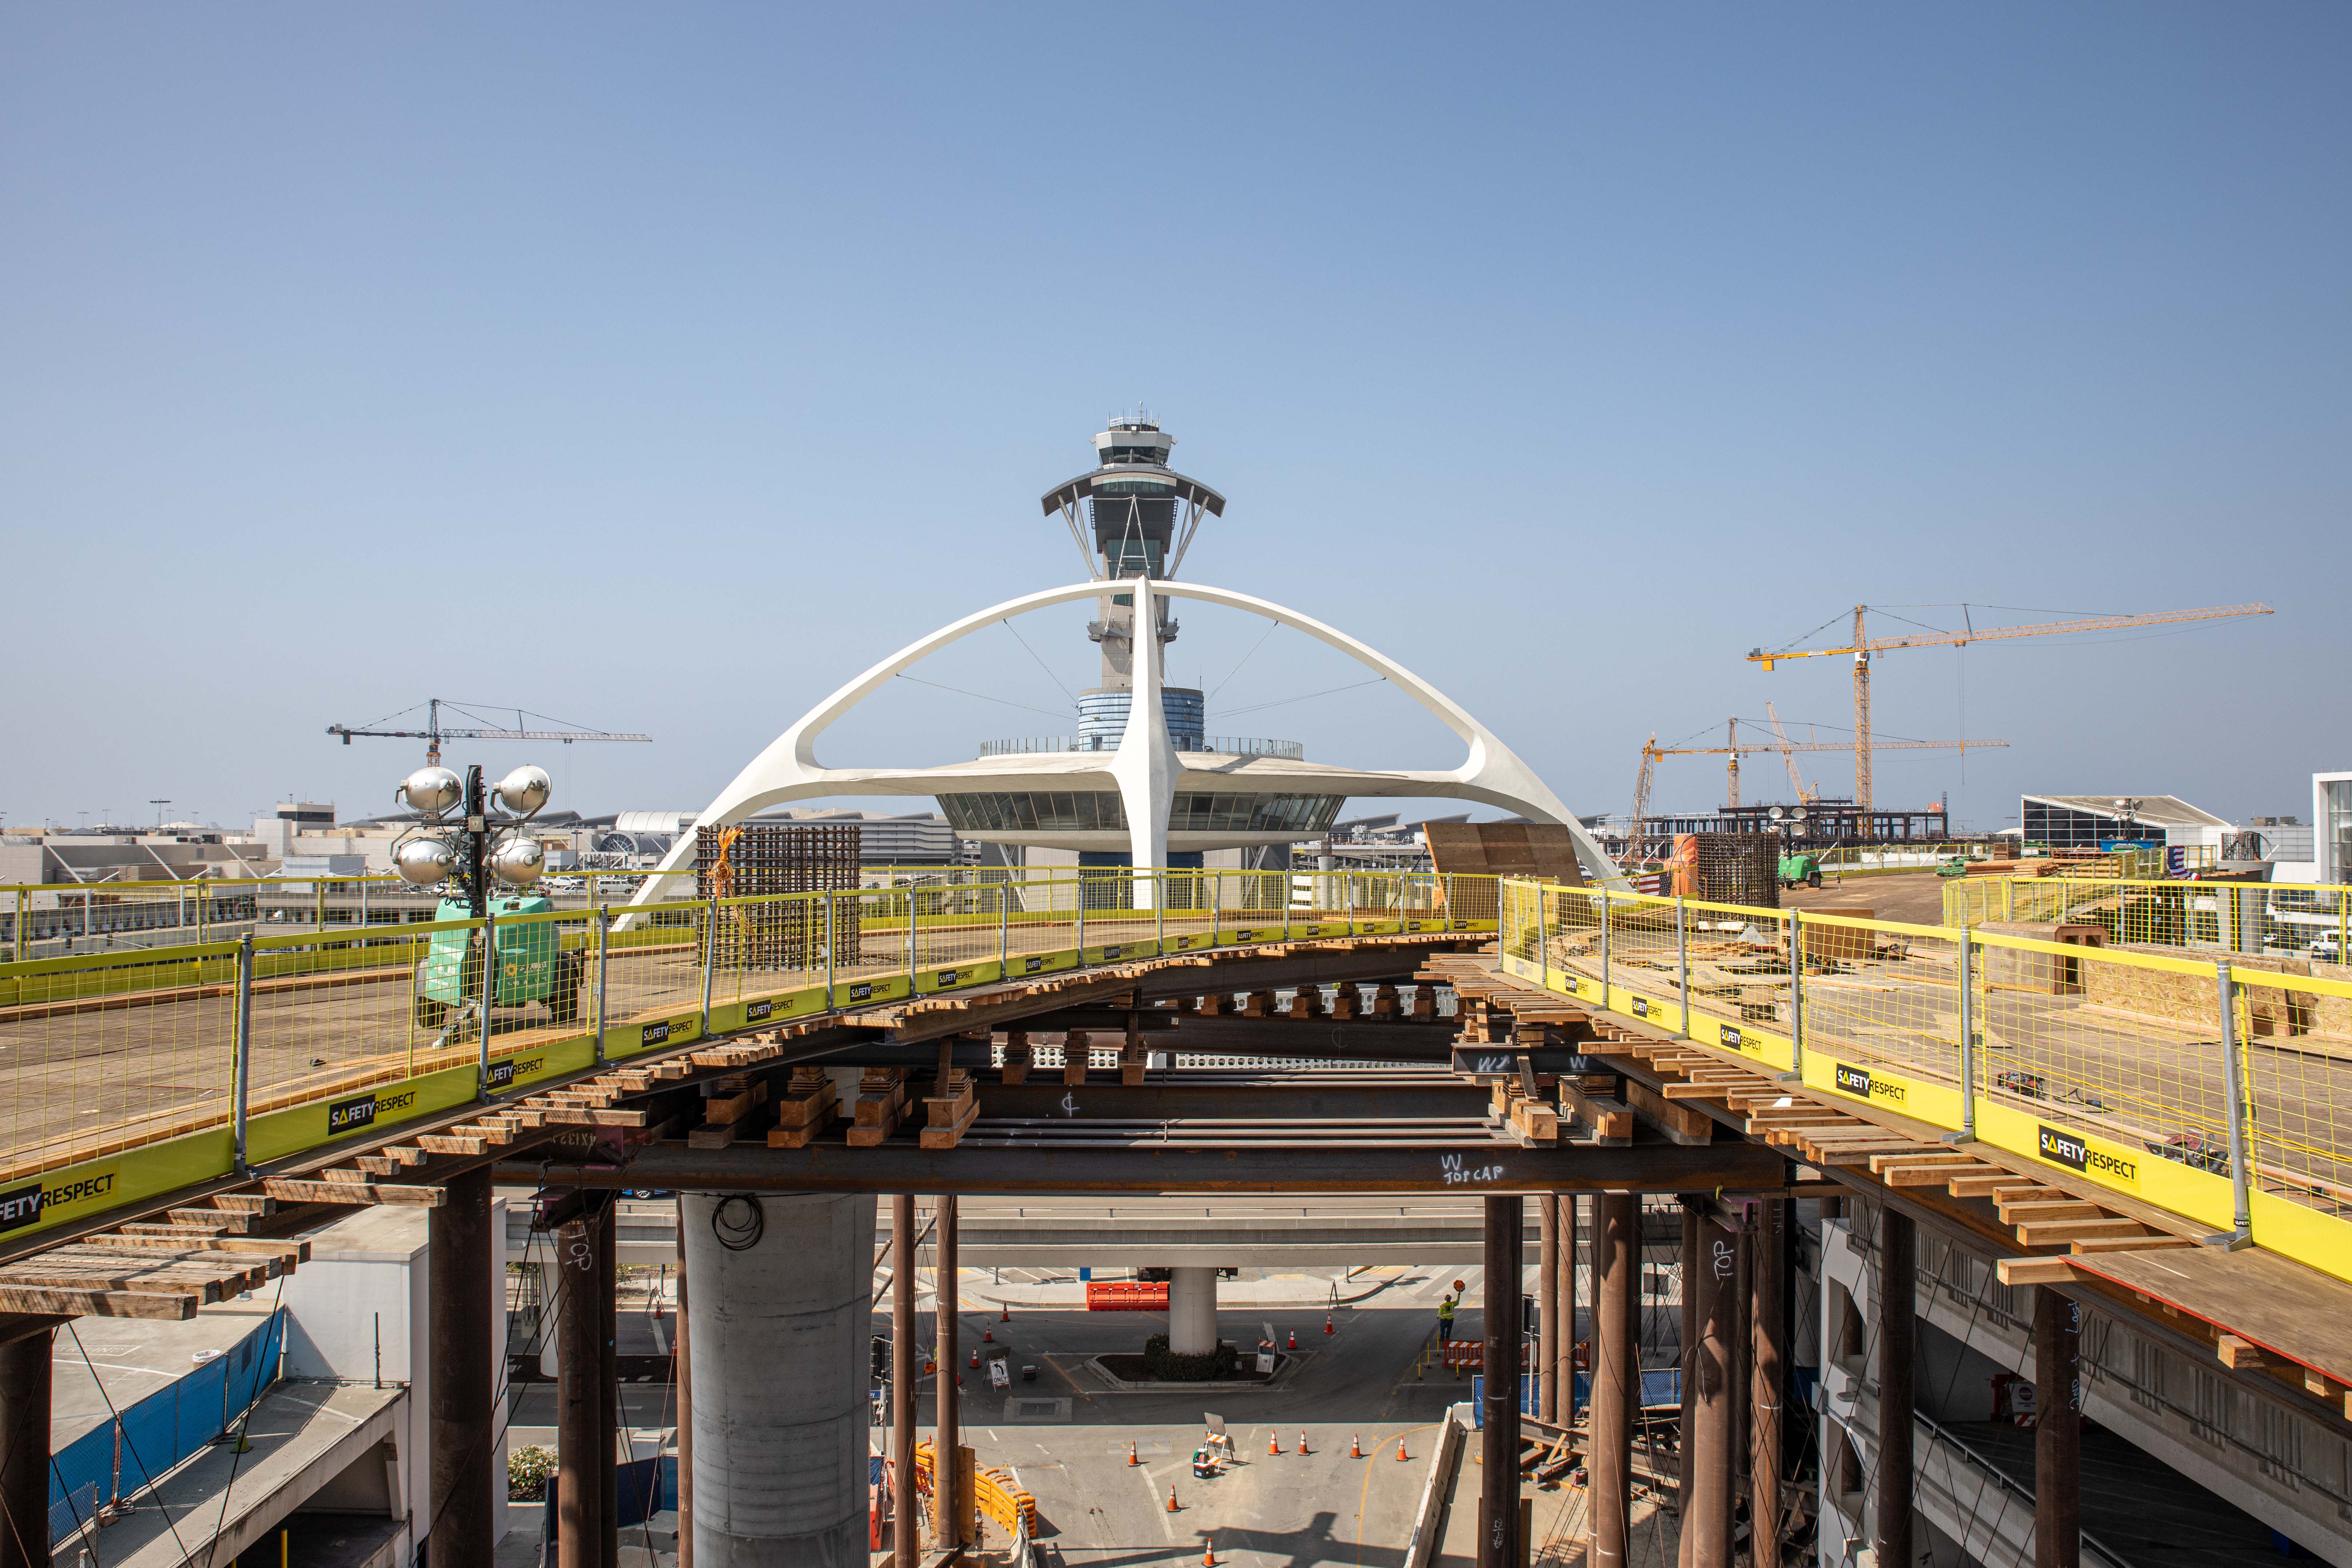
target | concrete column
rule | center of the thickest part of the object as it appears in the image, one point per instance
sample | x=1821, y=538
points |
x=905, y=1362
x=1547, y=1306
x=1898, y=1327
x=780, y=1282
x=1498, y=1498
x=947, y=1427
x=1191, y=1311
x=1616, y=1394
x=2058, y=1430
x=580, y=1398
x=25, y=1439
x=1707, y=1516
x=1768, y=1351
x=463, y=1413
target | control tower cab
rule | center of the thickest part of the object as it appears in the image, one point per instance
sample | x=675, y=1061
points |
x=1133, y=516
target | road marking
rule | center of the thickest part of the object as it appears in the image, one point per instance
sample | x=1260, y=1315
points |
x=1159, y=1508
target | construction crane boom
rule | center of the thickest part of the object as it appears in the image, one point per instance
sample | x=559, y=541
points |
x=434, y=731
x=1863, y=647
x=1651, y=752
x=1787, y=755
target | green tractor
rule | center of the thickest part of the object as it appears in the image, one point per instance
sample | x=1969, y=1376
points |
x=1801, y=866
x=532, y=965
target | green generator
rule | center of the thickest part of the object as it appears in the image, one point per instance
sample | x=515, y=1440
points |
x=1800, y=866
x=532, y=965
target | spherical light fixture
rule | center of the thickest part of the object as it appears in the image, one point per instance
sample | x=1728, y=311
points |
x=424, y=862
x=525, y=790
x=431, y=790
x=517, y=860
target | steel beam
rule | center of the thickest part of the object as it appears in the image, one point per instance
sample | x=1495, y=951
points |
x=1706, y=1518
x=1767, y=1350
x=946, y=1432
x=2057, y=1430
x=1898, y=1329
x=1498, y=1496
x=1285, y=1103
x=903, y=1167
x=906, y=1535
x=25, y=1401
x=462, y=1409
x=1616, y=1394
x=580, y=1404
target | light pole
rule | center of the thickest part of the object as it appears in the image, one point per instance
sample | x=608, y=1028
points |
x=468, y=850
x=159, y=805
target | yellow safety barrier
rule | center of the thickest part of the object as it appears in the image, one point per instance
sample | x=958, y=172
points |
x=993, y=1491
x=2213, y=1084
x=130, y=1071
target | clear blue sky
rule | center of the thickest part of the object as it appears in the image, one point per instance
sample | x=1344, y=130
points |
x=660, y=369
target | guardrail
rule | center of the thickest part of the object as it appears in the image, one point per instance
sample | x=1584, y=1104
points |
x=2281, y=919
x=2217, y=1091
x=132, y=1072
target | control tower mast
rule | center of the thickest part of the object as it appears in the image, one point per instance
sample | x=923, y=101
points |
x=1142, y=516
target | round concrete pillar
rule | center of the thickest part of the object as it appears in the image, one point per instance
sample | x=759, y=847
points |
x=779, y=1284
x=1191, y=1311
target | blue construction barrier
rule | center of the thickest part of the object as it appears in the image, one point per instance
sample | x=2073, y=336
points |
x=163, y=1429
x=1661, y=1385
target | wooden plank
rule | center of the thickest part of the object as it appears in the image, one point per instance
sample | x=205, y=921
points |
x=451, y=1143
x=735, y=1106
x=1679, y=1123
x=1910, y=1175
x=2063, y=1231
x=2271, y=1302
x=2126, y=1243
x=2241, y=1355
x=937, y=1137
x=1609, y=1122
x=352, y=1192
x=299, y=1251
x=162, y=1306
x=2035, y=1271
x=572, y=1116
x=2049, y=1209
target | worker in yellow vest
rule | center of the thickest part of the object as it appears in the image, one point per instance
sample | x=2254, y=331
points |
x=1445, y=1321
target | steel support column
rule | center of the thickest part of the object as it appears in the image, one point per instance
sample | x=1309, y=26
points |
x=1898, y=1308
x=608, y=1382
x=1564, y=1337
x=905, y=1361
x=2058, y=1430
x=1548, y=1307
x=580, y=1400
x=946, y=1434
x=1767, y=1351
x=1687, y=1340
x=682, y=1374
x=1707, y=1515
x=462, y=1407
x=1498, y=1500
x=1617, y=1274
x=24, y=1399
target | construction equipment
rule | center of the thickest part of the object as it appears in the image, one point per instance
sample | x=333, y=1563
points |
x=1652, y=751
x=434, y=733
x=1863, y=649
x=531, y=964
x=1806, y=794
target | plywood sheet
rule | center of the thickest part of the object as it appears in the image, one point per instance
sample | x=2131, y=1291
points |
x=2294, y=1311
x=1538, y=849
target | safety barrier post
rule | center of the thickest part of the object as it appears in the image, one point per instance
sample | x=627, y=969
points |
x=1967, y=1133
x=1082, y=919
x=709, y=958
x=1004, y=928
x=1604, y=949
x=1796, y=999
x=828, y=951
x=1682, y=968
x=22, y=902
x=1216, y=906
x=490, y=999
x=2234, y=1108
x=1543, y=937
x=603, y=925
x=242, y=1089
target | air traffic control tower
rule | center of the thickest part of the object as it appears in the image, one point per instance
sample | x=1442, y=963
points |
x=1141, y=515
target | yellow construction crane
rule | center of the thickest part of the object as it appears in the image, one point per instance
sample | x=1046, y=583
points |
x=1651, y=752
x=1863, y=649
x=1806, y=794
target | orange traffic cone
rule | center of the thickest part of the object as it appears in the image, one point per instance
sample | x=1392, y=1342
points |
x=1355, y=1447
x=1131, y=1459
x=1172, y=1500
x=1273, y=1444
x=1327, y=1322
x=975, y=1358
x=988, y=1336
x=1302, y=1441
x=1209, y=1555
x=1294, y=1340
x=1400, y=1452
x=1008, y=1312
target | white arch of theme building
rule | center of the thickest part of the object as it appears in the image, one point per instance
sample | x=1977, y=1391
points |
x=1144, y=769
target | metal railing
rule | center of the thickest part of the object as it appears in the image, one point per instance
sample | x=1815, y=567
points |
x=2293, y=920
x=2218, y=1088
x=134, y=1070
